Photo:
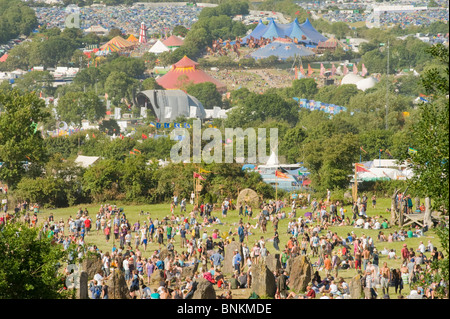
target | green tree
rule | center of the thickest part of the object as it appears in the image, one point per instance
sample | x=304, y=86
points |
x=30, y=264
x=206, y=93
x=20, y=141
x=74, y=107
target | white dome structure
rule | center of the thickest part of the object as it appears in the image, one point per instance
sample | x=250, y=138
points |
x=366, y=83
x=351, y=79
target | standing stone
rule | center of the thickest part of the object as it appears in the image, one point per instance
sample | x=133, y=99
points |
x=164, y=253
x=157, y=277
x=427, y=221
x=301, y=273
x=205, y=290
x=288, y=266
x=263, y=280
x=229, y=253
x=117, y=285
x=273, y=262
x=189, y=271
x=83, y=290
x=356, y=288
x=92, y=265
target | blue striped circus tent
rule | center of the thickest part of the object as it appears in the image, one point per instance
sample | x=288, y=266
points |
x=304, y=33
x=282, y=49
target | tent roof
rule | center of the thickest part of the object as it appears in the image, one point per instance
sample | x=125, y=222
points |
x=281, y=49
x=173, y=41
x=291, y=30
x=119, y=42
x=132, y=38
x=158, y=47
x=185, y=62
x=86, y=161
x=273, y=159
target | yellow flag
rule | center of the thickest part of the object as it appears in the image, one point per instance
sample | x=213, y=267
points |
x=203, y=170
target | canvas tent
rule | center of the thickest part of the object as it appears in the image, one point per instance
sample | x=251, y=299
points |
x=167, y=105
x=86, y=161
x=185, y=71
x=173, y=42
x=281, y=48
x=304, y=33
x=158, y=48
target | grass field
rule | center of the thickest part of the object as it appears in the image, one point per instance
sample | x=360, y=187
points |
x=230, y=224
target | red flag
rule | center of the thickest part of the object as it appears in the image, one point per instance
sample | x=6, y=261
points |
x=121, y=136
x=93, y=135
x=345, y=70
x=322, y=69
x=132, y=153
x=197, y=175
x=136, y=150
x=280, y=174
x=362, y=149
x=144, y=136
x=333, y=70
x=302, y=71
x=361, y=168
x=364, y=70
x=310, y=70
x=298, y=12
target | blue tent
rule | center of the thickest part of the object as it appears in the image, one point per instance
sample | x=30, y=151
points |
x=311, y=33
x=282, y=50
x=291, y=30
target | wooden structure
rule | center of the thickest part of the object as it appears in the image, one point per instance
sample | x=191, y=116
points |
x=401, y=218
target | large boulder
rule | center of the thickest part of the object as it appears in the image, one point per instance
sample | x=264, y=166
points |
x=301, y=272
x=356, y=288
x=189, y=271
x=92, y=265
x=229, y=253
x=263, y=280
x=157, y=277
x=117, y=285
x=273, y=262
x=205, y=290
x=164, y=253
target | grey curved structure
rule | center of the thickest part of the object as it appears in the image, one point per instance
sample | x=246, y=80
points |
x=167, y=105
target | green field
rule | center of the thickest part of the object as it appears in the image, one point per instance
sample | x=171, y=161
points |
x=230, y=224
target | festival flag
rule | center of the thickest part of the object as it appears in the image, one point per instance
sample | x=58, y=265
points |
x=201, y=170
x=121, y=136
x=176, y=125
x=106, y=96
x=136, y=150
x=93, y=135
x=298, y=12
x=333, y=69
x=362, y=149
x=302, y=71
x=144, y=136
x=200, y=177
x=361, y=168
x=152, y=124
x=355, y=69
x=322, y=69
x=280, y=174
x=132, y=153
x=186, y=125
x=166, y=125
x=310, y=70
x=364, y=70
x=411, y=151
x=388, y=153
x=158, y=125
x=296, y=73
x=345, y=70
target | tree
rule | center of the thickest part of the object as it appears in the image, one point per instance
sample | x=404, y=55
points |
x=180, y=30
x=120, y=86
x=74, y=107
x=206, y=93
x=30, y=264
x=430, y=135
x=20, y=141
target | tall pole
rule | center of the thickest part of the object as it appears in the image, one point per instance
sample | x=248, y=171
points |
x=387, y=87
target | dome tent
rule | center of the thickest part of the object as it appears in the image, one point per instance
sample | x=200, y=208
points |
x=351, y=78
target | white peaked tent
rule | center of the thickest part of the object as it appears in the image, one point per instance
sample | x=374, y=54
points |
x=273, y=159
x=158, y=48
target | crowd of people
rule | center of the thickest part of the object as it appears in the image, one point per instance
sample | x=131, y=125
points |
x=194, y=239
